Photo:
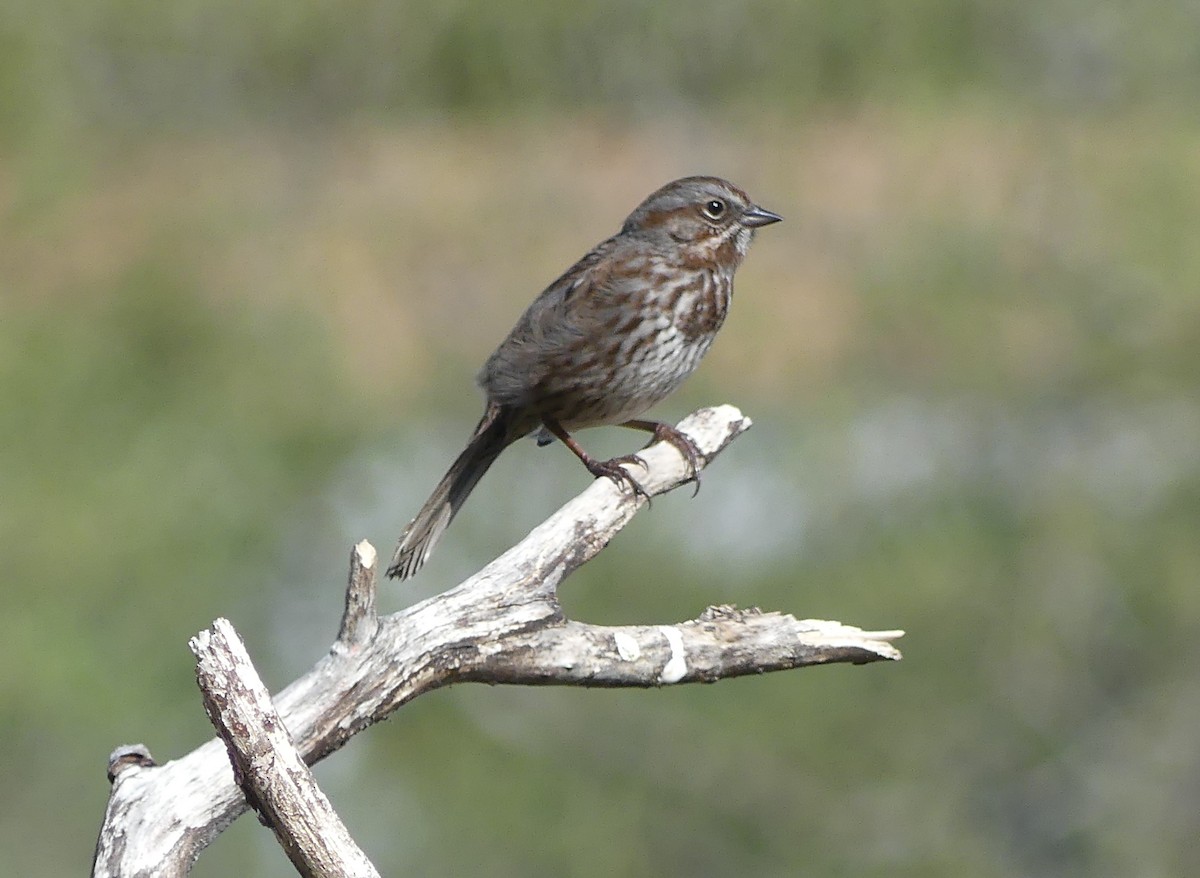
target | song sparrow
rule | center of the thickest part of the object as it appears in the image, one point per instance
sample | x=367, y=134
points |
x=606, y=341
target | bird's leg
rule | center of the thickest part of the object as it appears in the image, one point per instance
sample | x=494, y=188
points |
x=679, y=440
x=611, y=469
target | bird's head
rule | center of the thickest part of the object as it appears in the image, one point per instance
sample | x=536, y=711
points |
x=707, y=217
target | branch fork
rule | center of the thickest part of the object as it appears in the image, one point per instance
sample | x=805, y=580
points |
x=502, y=625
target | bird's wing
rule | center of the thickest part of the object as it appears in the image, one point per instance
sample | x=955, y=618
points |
x=555, y=327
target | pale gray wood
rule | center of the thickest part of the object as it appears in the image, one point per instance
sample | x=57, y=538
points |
x=503, y=625
x=266, y=765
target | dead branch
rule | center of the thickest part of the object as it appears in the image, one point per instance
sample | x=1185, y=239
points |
x=277, y=783
x=503, y=625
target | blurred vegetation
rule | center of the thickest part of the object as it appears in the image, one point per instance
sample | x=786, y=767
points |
x=251, y=254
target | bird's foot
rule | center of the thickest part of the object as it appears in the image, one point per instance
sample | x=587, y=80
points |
x=613, y=469
x=682, y=443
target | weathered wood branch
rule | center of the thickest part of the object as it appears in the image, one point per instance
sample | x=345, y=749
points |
x=503, y=625
x=724, y=642
x=277, y=783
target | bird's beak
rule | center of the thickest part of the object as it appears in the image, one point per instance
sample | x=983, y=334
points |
x=757, y=216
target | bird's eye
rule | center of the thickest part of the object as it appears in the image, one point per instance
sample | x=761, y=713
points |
x=714, y=209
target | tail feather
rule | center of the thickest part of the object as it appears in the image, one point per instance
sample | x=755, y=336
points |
x=423, y=532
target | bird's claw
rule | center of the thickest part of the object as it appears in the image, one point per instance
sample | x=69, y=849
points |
x=682, y=443
x=612, y=469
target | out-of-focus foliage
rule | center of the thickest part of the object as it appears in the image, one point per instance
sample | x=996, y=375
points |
x=251, y=253
x=201, y=62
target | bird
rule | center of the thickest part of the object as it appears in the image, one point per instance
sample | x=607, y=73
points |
x=616, y=334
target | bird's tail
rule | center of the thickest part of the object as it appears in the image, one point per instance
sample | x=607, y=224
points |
x=423, y=532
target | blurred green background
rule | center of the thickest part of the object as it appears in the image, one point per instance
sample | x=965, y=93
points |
x=252, y=253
